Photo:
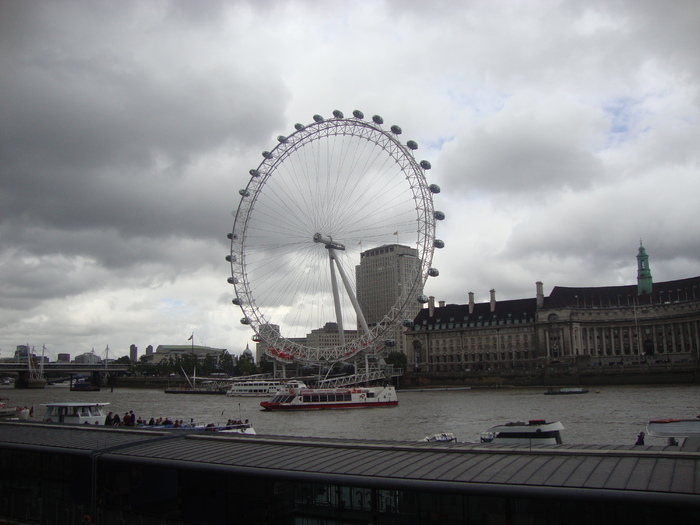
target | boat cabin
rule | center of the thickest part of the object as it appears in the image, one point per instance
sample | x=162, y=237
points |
x=75, y=413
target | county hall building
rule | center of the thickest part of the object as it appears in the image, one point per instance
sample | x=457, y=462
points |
x=646, y=323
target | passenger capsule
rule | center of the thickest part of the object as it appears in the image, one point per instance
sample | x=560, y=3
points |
x=244, y=193
x=439, y=215
x=236, y=301
x=232, y=280
x=423, y=299
x=439, y=243
x=433, y=272
x=281, y=139
x=229, y=258
x=396, y=130
x=434, y=188
x=254, y=173
x=337, y=113
x=267, y=154
x=299, y=126
x=256, y=338
x=377, y=119
x=244, y=320
x=425, y=164
x=407, y=323
x=358, y=114
x=229, y=236
x=390, y=343
x=412, y=144
x=318, y=118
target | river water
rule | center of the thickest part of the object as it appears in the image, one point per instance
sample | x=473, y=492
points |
x=611, y=415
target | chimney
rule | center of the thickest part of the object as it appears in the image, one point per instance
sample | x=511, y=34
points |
x=471, y=303
x=441, y=303
x=431, y=306
x=540, y=294
x=493, y=299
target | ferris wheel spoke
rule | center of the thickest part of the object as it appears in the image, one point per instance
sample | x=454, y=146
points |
x=346, y=181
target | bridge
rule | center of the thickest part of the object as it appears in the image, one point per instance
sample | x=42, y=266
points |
x=64, y=368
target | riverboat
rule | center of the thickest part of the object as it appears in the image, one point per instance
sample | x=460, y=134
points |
x=82, y=385
x=261, y=388
x=75, y=413
x=565, y=390
x=332, y=398
x=533, y=432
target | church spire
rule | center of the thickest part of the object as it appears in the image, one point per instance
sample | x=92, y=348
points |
x=644, y=281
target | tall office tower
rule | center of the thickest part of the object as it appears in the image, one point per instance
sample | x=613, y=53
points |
x=133, y=353
x=382, y=276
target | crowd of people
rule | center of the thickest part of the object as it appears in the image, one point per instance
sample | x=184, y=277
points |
x=130, y=420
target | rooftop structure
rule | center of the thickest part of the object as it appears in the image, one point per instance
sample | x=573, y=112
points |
x=188, y=477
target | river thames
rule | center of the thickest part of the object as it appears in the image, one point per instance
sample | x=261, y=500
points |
x=612, y=415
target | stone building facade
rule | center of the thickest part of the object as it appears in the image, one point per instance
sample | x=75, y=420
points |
x=586, y=326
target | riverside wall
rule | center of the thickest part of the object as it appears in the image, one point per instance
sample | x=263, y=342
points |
x=560, y=375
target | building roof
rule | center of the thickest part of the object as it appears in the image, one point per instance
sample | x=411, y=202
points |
x=459, y=313
x=625, y=473
x=624, y=295
x=566, y=297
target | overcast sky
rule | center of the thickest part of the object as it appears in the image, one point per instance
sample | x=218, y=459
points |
x=560, y=132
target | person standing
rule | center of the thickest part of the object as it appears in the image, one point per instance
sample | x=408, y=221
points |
x=640, y=439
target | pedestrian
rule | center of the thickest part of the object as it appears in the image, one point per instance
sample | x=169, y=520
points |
x=640, y=439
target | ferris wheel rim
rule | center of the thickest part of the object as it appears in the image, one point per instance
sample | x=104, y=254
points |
x=414, y=174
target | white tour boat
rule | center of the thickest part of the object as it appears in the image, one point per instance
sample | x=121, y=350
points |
x=304, y=398
x=533, y=432
x=75, y=413
x=260, y=387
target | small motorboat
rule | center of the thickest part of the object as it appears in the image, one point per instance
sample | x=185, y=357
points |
x=565, y=390
x=442, y=437
x=687, y=430
x=13, y=412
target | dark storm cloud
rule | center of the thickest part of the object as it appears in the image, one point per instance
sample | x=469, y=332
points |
x=561, y=133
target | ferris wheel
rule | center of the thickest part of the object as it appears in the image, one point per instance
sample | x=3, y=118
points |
x=321, y=199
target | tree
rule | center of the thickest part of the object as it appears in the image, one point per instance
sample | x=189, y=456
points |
x=227, y=364
x=245, y=365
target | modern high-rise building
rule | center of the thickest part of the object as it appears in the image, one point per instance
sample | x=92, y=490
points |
x=383, y=275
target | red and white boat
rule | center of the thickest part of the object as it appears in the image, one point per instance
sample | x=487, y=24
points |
x=332, y=398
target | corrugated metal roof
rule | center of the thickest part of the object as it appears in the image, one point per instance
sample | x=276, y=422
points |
x=642, y=469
